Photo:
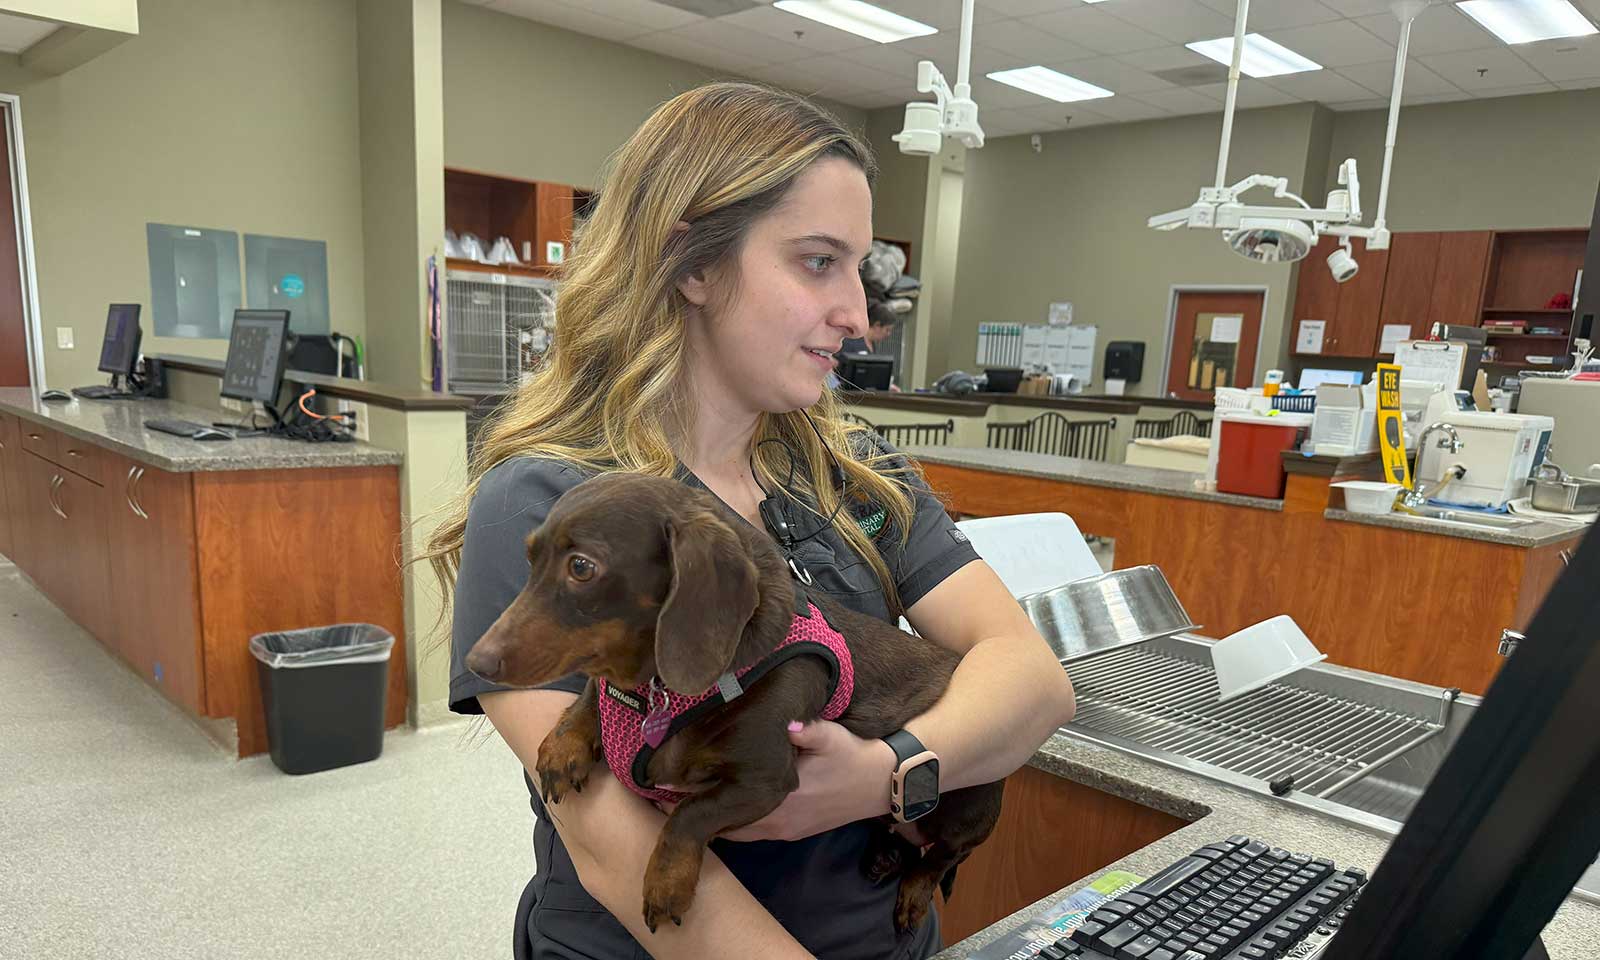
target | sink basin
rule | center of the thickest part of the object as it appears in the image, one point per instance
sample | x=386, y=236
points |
x=1468, y=518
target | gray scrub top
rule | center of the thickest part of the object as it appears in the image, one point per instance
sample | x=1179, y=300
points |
x=815, y=887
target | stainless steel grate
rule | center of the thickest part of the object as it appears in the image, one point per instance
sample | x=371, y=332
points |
x=498, y=328
x=1291, y=737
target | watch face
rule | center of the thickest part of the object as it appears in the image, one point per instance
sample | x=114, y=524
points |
x=921, y=789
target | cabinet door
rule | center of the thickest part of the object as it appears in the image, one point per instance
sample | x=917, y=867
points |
x=153, y=583
x=1354, y=333
x=43, y=527
x=82, y=571
x=8, y=520
x=1458, y=281
x=1316, y=295
x=1408, y=286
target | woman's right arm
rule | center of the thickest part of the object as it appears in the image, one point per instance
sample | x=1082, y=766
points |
x=610, y=832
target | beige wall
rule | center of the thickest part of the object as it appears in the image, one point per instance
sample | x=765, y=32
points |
x=1507, y=163
x=900, y=194
x=228, y=114
x=528, y=100
x=1068, y=223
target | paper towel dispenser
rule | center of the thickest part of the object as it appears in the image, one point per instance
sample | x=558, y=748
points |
x=1125, y=360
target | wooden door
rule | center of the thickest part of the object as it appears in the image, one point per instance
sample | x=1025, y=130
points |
x=1354, y=332
x=1408, y=286
x=42, y=528
x=1204, y=353
x=154, y=587
x=81, y=572
x=13, y=320
x=1458, y=281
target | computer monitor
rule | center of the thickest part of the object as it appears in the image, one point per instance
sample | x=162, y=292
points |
x=1511, y=819
x=1313, y=377
x=256, y=351
x=120, y=348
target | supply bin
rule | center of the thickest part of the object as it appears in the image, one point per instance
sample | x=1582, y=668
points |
x=1249, y=446
x=324, y=690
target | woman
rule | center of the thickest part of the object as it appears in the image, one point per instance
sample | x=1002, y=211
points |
x=699, y=313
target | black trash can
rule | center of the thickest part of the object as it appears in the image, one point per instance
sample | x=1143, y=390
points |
x=324, y=690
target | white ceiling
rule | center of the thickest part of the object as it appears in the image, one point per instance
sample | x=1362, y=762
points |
x=1121, y=45
x=19, y=33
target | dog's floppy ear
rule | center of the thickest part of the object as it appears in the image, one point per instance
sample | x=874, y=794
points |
x=712, y=597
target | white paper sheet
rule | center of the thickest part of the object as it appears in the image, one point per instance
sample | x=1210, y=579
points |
x=1393, y=333
x=1226, y=329
x=1060, y=313
x=1309, y=339
x=1438, y=361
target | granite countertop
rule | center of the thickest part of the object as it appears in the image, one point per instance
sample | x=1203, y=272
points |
x=1216, y=812
x=118, y=426
x=1171, y=483
x=1536, y=533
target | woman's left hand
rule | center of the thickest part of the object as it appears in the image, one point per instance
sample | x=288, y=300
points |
x=843, y=778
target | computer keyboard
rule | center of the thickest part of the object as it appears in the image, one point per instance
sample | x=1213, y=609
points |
x=187, y=428
x=100, y=393
x=1239, y=899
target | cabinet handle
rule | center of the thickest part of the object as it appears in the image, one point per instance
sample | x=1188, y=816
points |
x=55, y=484
x=127, y=492
x=138, y=506
x=36, y=437
x=73, y=453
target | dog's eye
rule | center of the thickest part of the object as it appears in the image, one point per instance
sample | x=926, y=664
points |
x=581, y=568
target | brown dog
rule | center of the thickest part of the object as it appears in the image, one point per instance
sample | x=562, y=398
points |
x=635, y=578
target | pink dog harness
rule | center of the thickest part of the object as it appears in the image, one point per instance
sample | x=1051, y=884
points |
x=635, y=723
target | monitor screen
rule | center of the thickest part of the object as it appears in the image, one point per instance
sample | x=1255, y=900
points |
x=120, y=348
x=1314, y=377
x=256, y=349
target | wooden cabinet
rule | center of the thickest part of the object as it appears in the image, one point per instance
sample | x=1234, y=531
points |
x=1349, y=310
x=67, y=519
x=531, y=214
x=154, y=588
x=10, y=502
x=1408, y=284
x=1458, y=280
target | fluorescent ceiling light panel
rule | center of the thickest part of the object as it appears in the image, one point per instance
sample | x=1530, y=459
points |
x=1524, y=21
x=861, y=19
x=1048, y=83
x=1262, y=57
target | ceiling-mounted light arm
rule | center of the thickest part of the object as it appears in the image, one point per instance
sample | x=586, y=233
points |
x=1407, y=12
x=1240, y=16
x=964, y=60
x=953, y=112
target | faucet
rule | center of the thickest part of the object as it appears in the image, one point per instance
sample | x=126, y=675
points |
x=1418, y=496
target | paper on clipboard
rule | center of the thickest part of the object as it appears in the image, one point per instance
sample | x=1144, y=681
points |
x=1440, y=361
x=1393, y=334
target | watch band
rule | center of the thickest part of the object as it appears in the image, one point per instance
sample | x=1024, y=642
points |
x=904, y=745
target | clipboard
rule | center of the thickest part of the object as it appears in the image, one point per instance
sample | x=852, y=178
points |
x=1441, y=361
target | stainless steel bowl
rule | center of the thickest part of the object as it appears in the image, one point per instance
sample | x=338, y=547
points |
x=1115, y=609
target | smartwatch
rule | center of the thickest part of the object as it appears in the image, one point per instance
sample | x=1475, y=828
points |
x=914, y=786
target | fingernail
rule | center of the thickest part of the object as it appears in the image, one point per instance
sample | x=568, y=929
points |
x=795, y=726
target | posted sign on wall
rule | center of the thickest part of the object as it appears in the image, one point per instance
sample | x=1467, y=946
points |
x=1391, y=433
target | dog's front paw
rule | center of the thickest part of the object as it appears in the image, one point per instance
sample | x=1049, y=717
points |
x=669, y=883
x=913, y=902
x=566, y=758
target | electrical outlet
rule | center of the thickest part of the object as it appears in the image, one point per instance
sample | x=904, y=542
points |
x=358, y=414
x=63, y=338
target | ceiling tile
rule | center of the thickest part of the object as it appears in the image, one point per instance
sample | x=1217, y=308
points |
x=1499, y=67
x=1056, y=116
x=1002, y=123
x=1334, y=44
x=1358, y=8
x=859, y=75
x=1279, y=14
x=1113, y=74
x=776, y=25
x=645, y=13
x=944, y=14
x=1571, y=58
x=1091, y=27
x=893, y=98
x=1437, y=30
x=1587, y=83
x=670, y=43
x=1323, y=86
x=1127, y=109
x=887, y=57
x=1021, y=8
x=795, y=73
x=557, y=14
x=1176, y=20
x=1367, y=104
x=1252, y=94
x=1419, y=100
x=1379, y=78
x=724, y=33
x=1030, y=43
x=19, y=33
x=1165, y=58
x=1179, y=100
x=1520, y=90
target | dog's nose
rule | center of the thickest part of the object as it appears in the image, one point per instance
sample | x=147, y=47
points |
x=484, y=664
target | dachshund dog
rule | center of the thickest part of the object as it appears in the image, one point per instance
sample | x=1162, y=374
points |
x=657, y=591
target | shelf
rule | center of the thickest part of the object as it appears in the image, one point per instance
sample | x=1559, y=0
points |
x=1538, y=311
x=458, y=263
x=1520, y=364
x=1529, y=336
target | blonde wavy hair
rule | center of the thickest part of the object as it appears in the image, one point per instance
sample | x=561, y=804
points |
x=716, y=158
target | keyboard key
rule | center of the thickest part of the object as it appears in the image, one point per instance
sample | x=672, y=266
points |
x=1161, y=953
x=1051, y=951
x=1171, y=877
x=1256, y=848
x=1118, y=907
x=1238, y=840
x=1233, y=932
x=1211, y=851
x=1139, y=948
x=1157, y=912
x=1359, y=876
x=1164, y=932
x=1134, y=897
x=1218, y=940
x=1253, y=953
x=1277, y=853
x=1088, y=932
x=1122, y=933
